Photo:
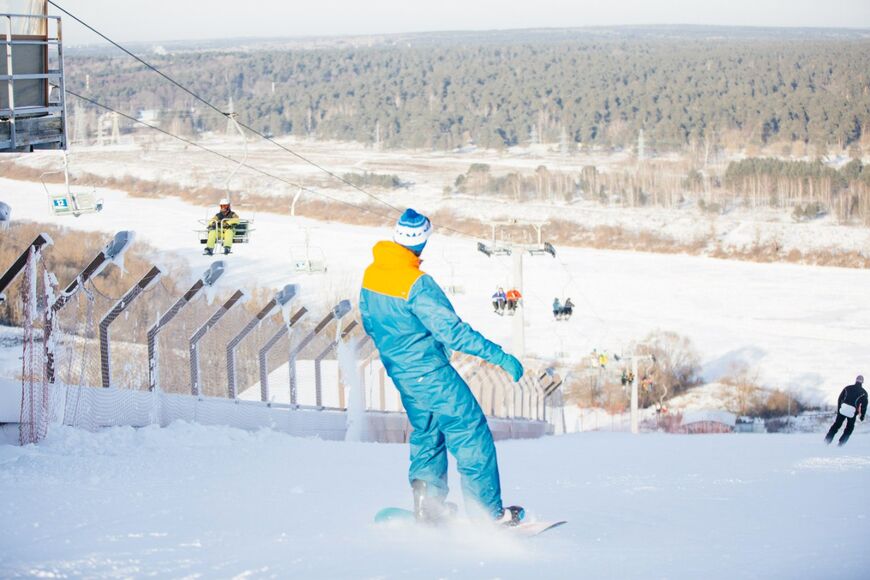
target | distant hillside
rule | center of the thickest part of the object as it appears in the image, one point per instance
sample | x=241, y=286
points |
x=574, y=87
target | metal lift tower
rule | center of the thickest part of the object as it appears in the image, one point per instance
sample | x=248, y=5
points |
x=32, y=94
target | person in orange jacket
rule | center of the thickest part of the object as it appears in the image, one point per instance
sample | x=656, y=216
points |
x=513, y=299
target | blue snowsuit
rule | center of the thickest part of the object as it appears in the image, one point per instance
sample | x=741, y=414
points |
x=413, y=324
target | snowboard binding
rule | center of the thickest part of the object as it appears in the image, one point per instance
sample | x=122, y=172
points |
x=511, y=516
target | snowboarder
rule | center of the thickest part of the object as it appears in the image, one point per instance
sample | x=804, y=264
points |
x=557, y=308
x=851, y=404
x=222, y=225
x=413, y=325
x=513, y=300
x=498, y=301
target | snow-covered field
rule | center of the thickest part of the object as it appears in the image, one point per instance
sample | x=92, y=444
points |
x=803, y=328
x=192, y=501
x=428, y=172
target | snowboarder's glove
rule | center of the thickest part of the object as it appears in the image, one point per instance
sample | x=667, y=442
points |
x=512, y=366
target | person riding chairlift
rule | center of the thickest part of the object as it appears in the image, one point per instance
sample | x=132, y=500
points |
x=222, y=224
x=499, y=298
x=513, y=299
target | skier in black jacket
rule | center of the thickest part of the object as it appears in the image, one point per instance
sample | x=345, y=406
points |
x=851, y=404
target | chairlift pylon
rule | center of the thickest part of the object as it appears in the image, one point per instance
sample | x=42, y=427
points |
x=66, y=203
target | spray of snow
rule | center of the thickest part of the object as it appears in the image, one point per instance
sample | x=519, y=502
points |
x=356, y=399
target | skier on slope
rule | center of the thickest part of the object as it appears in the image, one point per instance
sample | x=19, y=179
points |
x=222, y=224
x=413, y=325
x=851, y=403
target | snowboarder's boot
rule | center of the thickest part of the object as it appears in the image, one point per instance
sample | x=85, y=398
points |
x=430, y=509
x=226, y=251
x=511, y=516
x=209, y=251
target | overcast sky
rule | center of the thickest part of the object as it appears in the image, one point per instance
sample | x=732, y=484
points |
x=143, y=20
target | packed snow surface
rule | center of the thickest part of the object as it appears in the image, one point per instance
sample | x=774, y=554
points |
x=194, y=501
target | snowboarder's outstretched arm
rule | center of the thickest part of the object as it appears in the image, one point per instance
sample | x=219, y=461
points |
x=432, y=307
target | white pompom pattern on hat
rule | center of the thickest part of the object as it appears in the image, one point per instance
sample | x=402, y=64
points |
x=412, y=230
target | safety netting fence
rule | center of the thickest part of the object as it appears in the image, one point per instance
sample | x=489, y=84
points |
x=146, y=351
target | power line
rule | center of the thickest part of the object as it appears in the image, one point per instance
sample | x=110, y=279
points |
x=223, y=113
x=224, y=156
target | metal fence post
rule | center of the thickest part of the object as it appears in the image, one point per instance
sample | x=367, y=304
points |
x=207, y=279
x=264, y=352
x=341, y=309
x=522, y=384
x=152, y=276
x=200, y=333
x=318, y=378
x=112, y=250
x=19, y=264
x=281, y=299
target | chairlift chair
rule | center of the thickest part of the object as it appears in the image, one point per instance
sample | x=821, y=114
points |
x=545, y=248
x=65, y=202
x=308, y=259
x=241, y=232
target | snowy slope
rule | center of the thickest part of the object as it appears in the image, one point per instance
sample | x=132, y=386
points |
x=804, y=328
x=188, y=501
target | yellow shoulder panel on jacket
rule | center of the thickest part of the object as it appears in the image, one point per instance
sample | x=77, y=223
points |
x=391, y=282
x=394, y=271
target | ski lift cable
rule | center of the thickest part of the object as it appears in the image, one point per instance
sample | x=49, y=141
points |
x=229, y=158
x=247, y=127
x=589, y=304
x=223, y=113
x=577, y=286
x=232, y=118
x=252, y=167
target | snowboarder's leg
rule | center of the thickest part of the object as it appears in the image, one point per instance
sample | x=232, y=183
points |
x=834, y=428
x=212, y=239
x=228, y=239
x=428, y=449
x=847, y=432
x=469, y=440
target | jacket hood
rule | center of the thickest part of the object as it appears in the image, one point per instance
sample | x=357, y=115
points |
x=394, y=256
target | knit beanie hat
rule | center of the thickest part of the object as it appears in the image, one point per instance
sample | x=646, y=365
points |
x=860, y=379
x=412, y=231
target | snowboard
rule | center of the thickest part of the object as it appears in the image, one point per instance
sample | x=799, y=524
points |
x=526, y=529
